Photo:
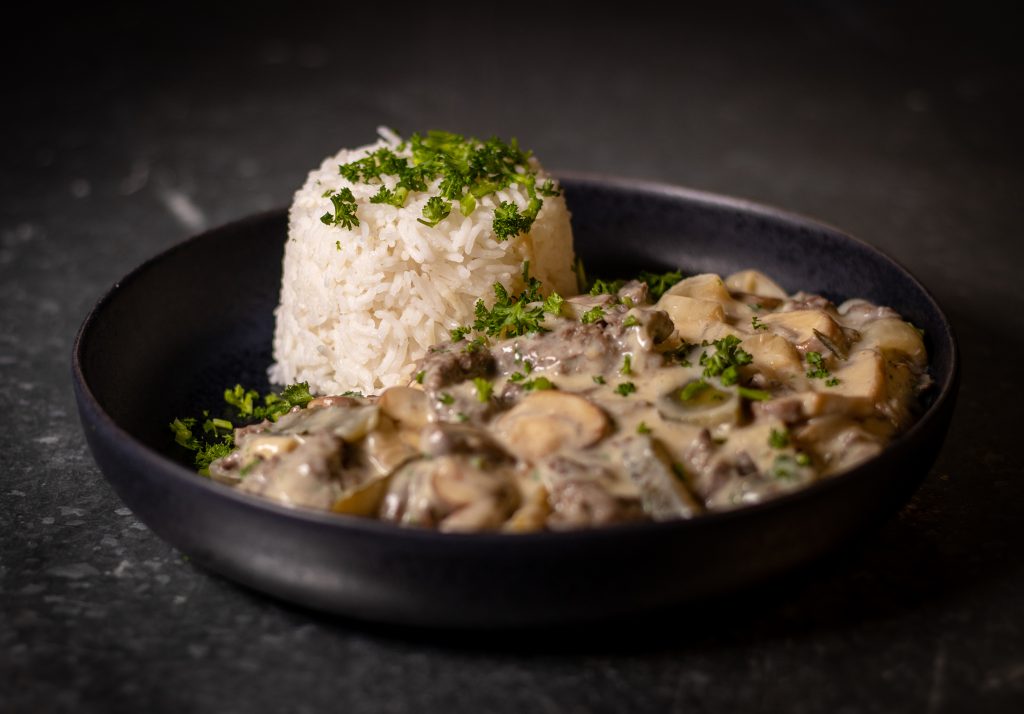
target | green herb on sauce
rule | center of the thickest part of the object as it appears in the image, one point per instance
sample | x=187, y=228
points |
x=755, y=395
x=642, y=428
x=726, y=360
x=778, y=439
x=625, y=389
x=818, y=369
x=631, y=321
x=445, y=398
x=538, y=384
x=592, y=315
x=757, y=323
x=598, y=379
x=627, y=365
x=484, y=389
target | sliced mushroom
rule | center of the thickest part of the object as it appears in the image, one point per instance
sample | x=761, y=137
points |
x=706, y=286
x=838, y=442
x=754, y=282
x=387, y=447
x=584, y=495
x=305, y=476
x=699, y=403
x=663, y=494
x=444, y=438
x=545, y=422
x=897, y=340
x=407, y=405
x=348, y=423
x=691, y=316
x=363, y=500
x=534, y=508
x=775, y=359
x=267, y=446
x=332, y=401
x=808, y=330
x=453, y=493
x=862, y=377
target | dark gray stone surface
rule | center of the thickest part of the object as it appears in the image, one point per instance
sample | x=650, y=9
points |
x=125, y=134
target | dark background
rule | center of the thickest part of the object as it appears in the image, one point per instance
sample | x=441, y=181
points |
x=125, y=131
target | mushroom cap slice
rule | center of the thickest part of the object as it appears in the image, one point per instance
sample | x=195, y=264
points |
x=348, y=423
x=549, y=421
x=663, y=495
x=363, y=500
x=409, y=406
x=754, y=282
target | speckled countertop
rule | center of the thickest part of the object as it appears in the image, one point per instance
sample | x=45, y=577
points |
x=125, y=134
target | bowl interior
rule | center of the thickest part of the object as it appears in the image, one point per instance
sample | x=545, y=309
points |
x=169, y=338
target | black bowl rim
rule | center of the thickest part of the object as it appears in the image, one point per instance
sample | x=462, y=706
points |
x=343, y=523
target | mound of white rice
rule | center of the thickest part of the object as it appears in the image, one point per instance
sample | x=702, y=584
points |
x=358, y=307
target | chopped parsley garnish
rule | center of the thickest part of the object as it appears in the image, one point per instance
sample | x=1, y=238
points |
x=344, y=209
x=337, y=245
x=642, y=428
x=516, y=377
x=247, y=409
x=757, y=324
x=818, y=369
x=627, y=365
x=458, y=334
x=420, y=375
x=512, y=316
x=606, y=287
x=631, y=321
x=592, y=315
x=477, y=343
x=548, y=189
x=468, y=169
x=726, y=360
x=461, y=416
x=527, y=366
x=659, y=283
x=484, y=389
x=435, y=211
x=538, y=384
x=625, y=389
x=446, y=398
x=803, y=459
x=553, y=305
x=386, y=196
x=778, y=439
x=598, y=379
x=755, y=395
x=352, y=393
x=508, y=221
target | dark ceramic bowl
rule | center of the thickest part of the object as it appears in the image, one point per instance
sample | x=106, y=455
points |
x=173, y=334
